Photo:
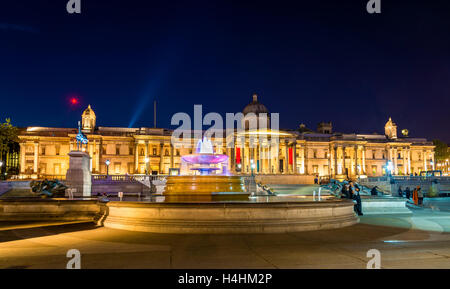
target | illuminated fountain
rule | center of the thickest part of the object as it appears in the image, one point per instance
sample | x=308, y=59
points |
x=207, y=186
x=204, y=157
x=216, y=203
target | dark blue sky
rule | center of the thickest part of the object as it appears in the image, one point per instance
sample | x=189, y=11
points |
x=308, y=60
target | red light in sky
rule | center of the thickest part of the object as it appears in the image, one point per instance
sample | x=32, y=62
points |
x=74, y=100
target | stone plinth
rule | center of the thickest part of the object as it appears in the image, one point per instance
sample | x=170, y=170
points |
x=79, y=174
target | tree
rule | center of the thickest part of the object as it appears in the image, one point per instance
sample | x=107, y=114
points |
x=441, y=152
x=8, y=136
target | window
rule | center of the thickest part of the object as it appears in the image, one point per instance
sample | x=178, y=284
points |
x=374, y=170
x=315, y=169
x=117, y=168
x=142, y=152
x=57, y=169
x=178, y=152
x=154, y=151
x=57, y=149
x=166, y=152
x=103, y=150
x=130, y=150
x=43, y=150
x=117, y=149
x=315, y=154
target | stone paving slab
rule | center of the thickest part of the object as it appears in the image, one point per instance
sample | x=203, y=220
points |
x=401, y=246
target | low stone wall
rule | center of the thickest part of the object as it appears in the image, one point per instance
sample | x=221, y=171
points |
x=384, y=205
x=117, y=186
x=228, y=218
x=10, y=185
x=48, y=210
x=285, y=179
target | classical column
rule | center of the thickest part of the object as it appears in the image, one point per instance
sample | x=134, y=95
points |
x=269, y=155
x=243, y=155
x=146, y=149
x=97, y=156
x=432, y=159
x=277, y=157
x=352, y=161
x=329, y=159
x=342, y=160
x=136, y=157
x=22, y=157
x=161, y=158
x=302, y=160
x=36, y=157
x=363, y=169
x=395, y=161
x=425, y=160
x=260, y=158
x=286, y=157
x=91, y=156
x=171, y=155
x=335, y=160
x=294, y=157
x=409, y=161
x=305, y=158
x=405, y=165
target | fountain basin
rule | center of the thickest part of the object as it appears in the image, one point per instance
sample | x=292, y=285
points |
x=228, y=218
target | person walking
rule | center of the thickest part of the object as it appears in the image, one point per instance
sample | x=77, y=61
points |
x=400, y=191
x=407, y=193
x=345, y=192
x=357, y=198
x=419, y=196
x=415, y=196
x=351, y=190
x=316, y=180
x=373, y=191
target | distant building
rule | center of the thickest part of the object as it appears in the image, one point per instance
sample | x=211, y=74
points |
x=43, y=150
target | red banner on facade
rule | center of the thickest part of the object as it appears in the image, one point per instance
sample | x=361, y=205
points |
x=291, y=159
x=238, y=155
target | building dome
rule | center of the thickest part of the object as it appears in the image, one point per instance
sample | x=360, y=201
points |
x=88, y=119
x=255, y=107
x=88, y=111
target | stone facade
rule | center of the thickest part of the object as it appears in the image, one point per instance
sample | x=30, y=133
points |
x=44, y=151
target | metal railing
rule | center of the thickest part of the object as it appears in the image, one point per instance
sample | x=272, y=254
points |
x=127, y=178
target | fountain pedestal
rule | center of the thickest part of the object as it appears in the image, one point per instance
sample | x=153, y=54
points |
x=205, y=188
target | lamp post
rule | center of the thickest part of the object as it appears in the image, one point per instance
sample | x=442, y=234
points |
x=107, y=167
x=1, y=169
x=147, y=160
x=389, y=168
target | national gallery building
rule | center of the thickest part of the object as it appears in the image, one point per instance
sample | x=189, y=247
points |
x=44, y=151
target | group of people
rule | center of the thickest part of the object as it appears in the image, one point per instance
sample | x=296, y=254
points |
x=351, y=191
x=416, y=194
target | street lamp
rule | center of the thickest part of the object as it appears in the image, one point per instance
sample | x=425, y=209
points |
x=147, y=160
x=107, y=166
x=389, y=167
x=1, y=165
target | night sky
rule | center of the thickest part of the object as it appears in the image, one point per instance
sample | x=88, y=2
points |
x=311, y=61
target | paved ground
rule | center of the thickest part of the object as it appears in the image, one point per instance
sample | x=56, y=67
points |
x=401, y=245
